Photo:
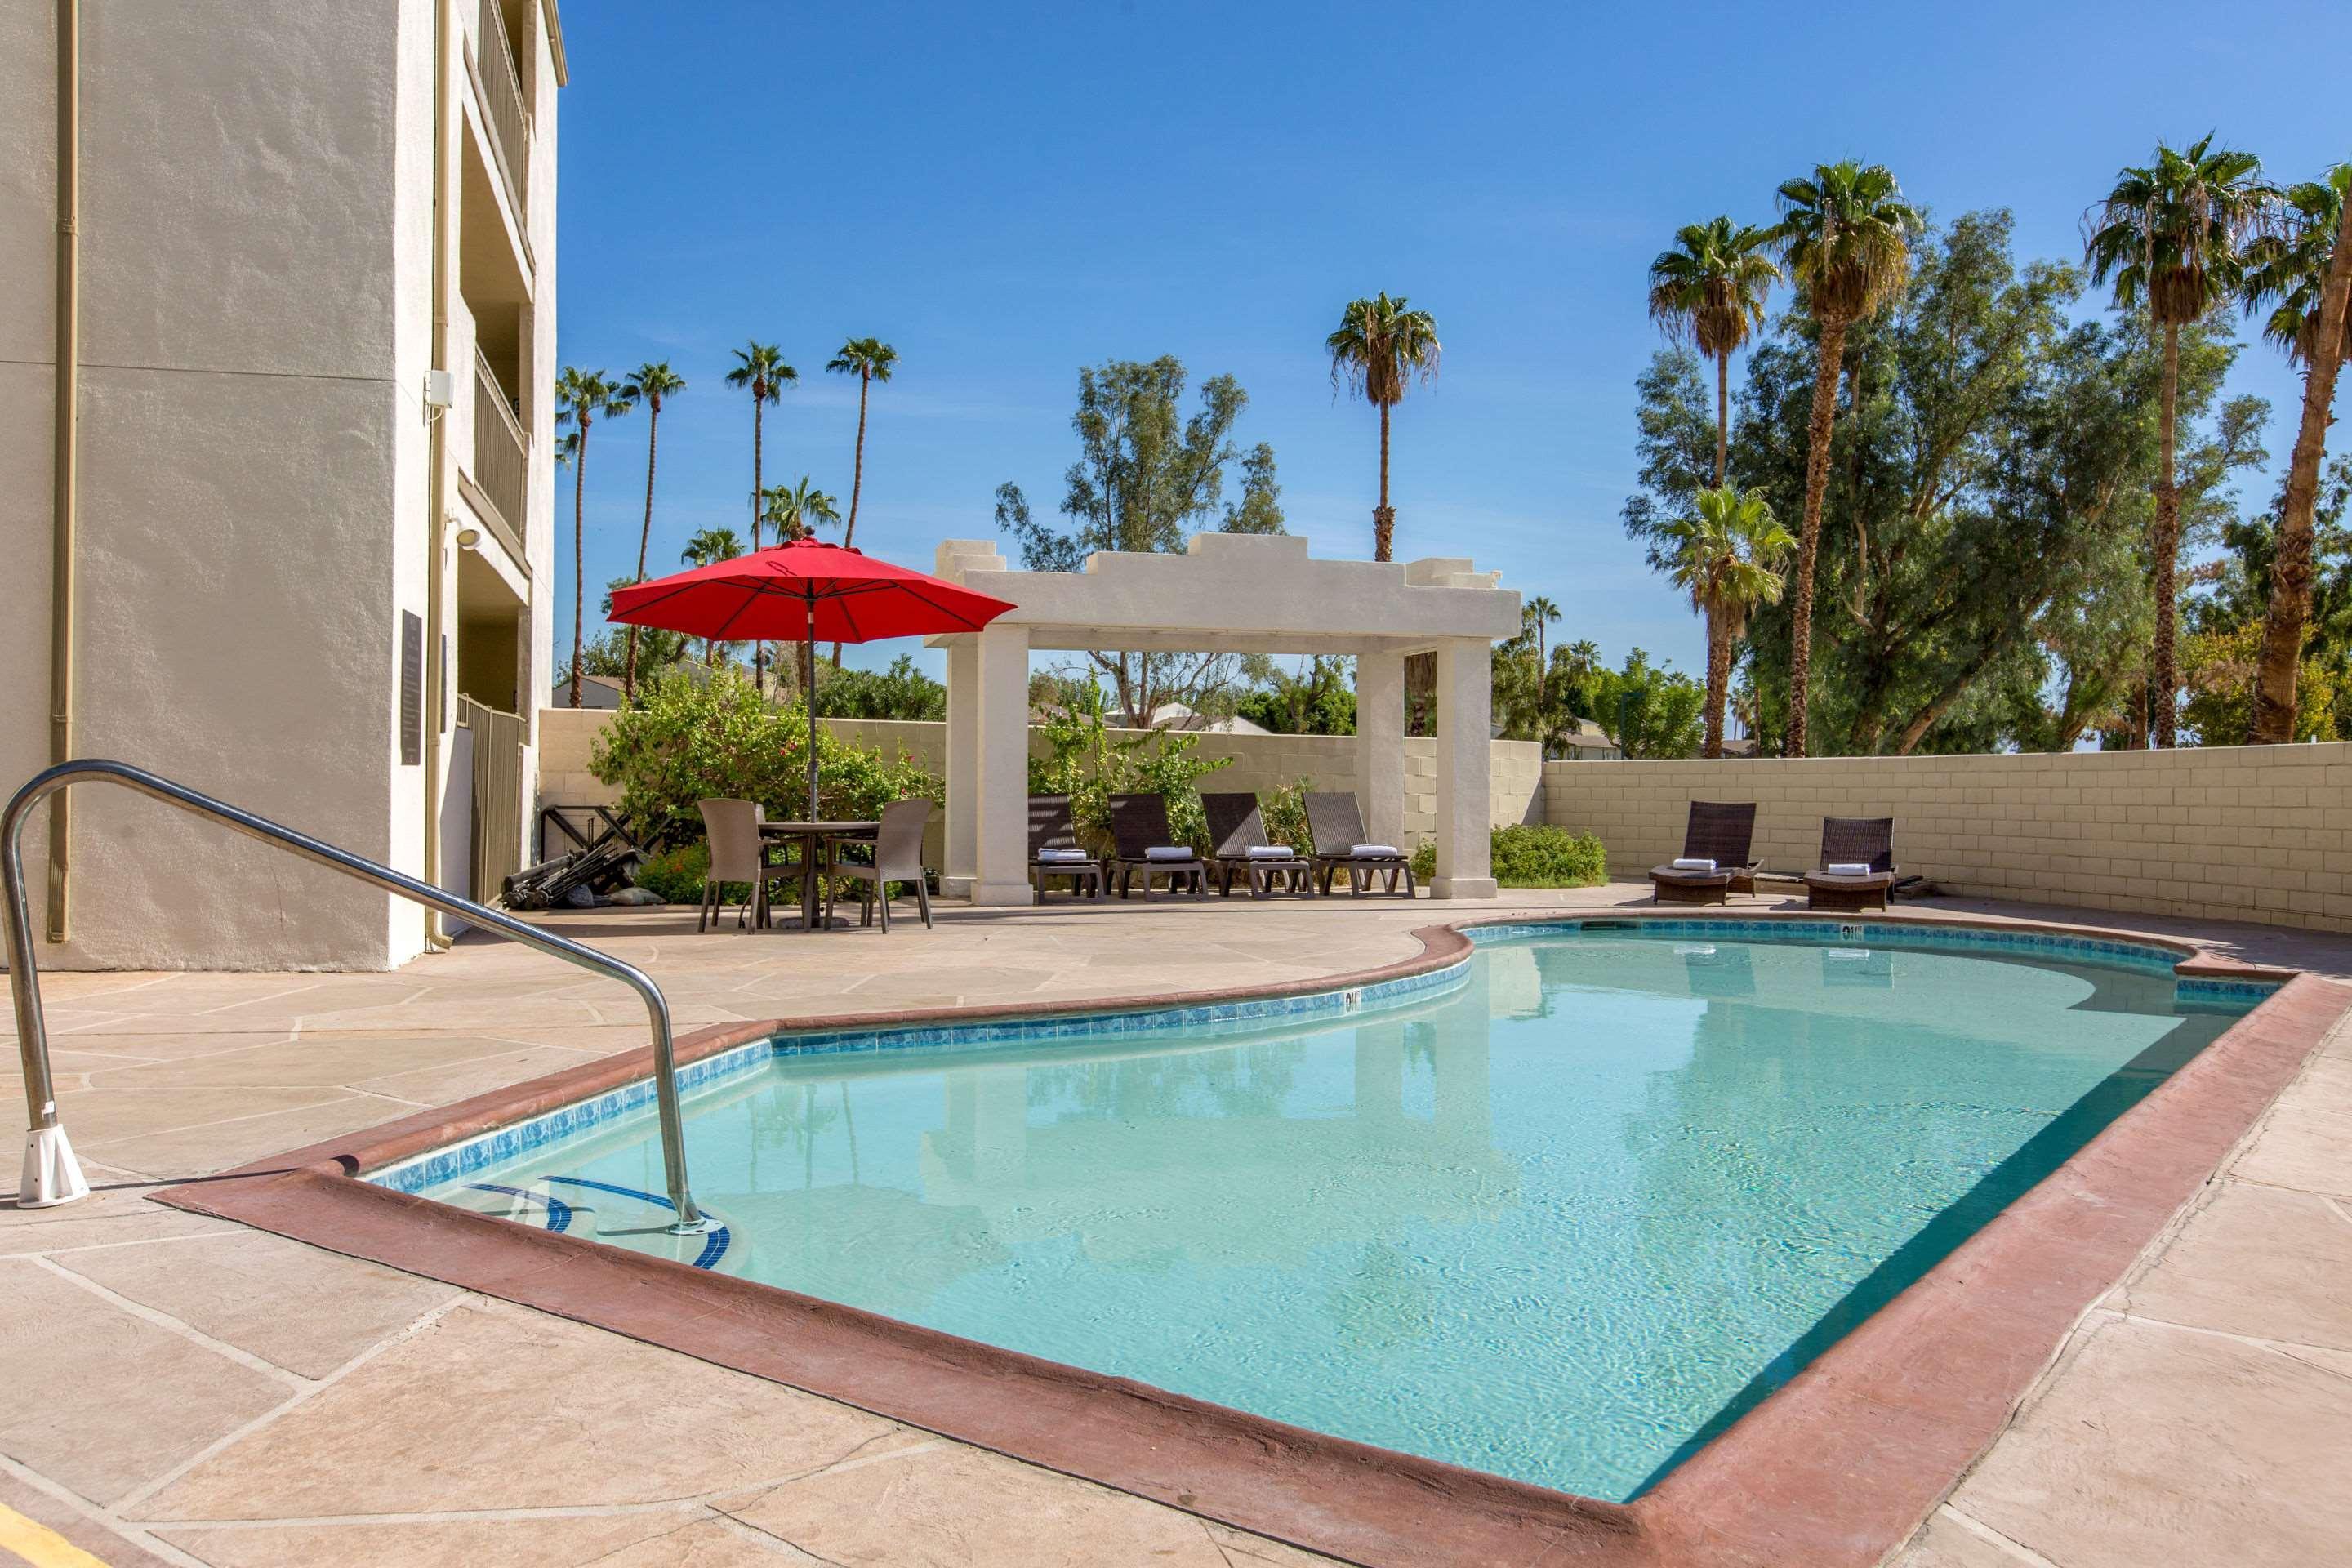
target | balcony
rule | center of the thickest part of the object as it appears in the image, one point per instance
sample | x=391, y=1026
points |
x=499, y=469
x=499, y=84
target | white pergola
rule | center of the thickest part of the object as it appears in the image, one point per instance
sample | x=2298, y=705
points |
x=1228, y=593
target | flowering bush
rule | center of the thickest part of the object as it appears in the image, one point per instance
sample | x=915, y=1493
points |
x=682, y=742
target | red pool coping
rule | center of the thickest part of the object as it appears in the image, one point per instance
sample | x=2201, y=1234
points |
x=1840, y=1466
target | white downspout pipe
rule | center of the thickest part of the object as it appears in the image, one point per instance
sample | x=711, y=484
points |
x=64, y=497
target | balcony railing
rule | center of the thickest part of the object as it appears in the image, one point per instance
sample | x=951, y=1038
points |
x=510, y=124
x=501, y=465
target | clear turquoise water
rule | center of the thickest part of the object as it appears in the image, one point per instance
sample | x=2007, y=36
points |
x=1563, y=1223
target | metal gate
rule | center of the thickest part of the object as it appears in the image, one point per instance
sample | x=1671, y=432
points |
x=497, y=795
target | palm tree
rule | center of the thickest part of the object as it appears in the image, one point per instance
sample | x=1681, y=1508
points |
x=2172, y=235
x=1378, y=348
x=1845, y=234
x=2307, y=269
x=583, y=397
x=760, y=368
x=1540, y=612
x=797, y=511
x=869, y=360
x=1728, y=556
x=651, y=384
x=1709, y=291
x=709, y=547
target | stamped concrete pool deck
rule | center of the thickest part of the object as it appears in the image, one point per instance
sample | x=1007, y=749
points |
x=185, y=1390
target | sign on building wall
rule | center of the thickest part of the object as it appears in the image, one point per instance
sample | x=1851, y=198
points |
x=411, y=689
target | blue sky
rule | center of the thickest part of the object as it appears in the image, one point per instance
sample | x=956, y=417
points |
x=1008, y=192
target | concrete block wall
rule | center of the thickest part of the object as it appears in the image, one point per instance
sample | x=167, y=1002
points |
x=2241, y=833
x=1260, y=763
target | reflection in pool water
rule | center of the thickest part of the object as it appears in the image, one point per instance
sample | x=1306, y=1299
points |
x=1562, y=1222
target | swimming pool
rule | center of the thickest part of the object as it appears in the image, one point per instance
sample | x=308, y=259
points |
x=1559, y=1212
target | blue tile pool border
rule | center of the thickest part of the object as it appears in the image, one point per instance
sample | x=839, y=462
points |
x=421, y=1173
x=431, y=1169
x=2140, y=957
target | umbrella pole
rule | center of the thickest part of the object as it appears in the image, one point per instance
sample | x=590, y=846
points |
x=808, y=701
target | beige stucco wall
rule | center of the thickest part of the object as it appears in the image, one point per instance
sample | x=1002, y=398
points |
x=1261, y=763
x=2249, y=833
x=255, y=326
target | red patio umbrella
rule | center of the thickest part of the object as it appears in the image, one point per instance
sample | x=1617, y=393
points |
x=807, y=592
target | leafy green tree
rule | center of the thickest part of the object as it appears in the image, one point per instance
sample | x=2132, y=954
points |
x=652, y=384
x=2308, y=271
x=1146, y=479
x=1986, y=535
x=1709, y=290
x=900, y=693
x=2171, y=235
x=583, y=397
x=1846, y=236
x=1318, y=700
x=762, y=370
x=709, y=547
x=1378, y=348
x=1728, y=556
x=1646, y=710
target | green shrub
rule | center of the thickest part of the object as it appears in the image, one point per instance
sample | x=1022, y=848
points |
x=1283, y=812
x=1084, y=762
x=1531, y=857
x=677, y=874
x=681, y=744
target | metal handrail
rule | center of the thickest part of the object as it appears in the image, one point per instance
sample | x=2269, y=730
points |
x=46, y=1144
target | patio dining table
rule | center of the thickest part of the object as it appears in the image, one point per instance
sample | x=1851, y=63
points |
x=812, y=837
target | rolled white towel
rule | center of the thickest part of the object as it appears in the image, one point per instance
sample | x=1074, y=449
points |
x=1692, y=863
x=1167, y=852
x=1374, y=849
x=1064, y=857
x=1848, y=868
x=1270, y=852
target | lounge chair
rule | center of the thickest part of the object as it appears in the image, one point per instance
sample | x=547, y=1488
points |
x=1863, y=841
x=1142, y=841
x=1718, y=832
x=1238, y=845
x=897, y=857
x=1054, y=849
x=1338, y=824
x=736, y=855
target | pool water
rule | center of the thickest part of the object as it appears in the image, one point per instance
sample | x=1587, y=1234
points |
x=1562, y=1222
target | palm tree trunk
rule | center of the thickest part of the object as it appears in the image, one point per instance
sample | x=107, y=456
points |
x=2275, y=693
x=1809, y=539
x=579, y=550
x=644, y=539
x=1722, y=414
x=1383, y=515
x=2165, y=678
x=1719, y=683
x=857, y=477
x=758, y=431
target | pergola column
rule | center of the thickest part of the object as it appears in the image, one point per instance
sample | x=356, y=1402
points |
x=963, y=869
x=1000, y=869
x=1379, y=744
x=1465, y=726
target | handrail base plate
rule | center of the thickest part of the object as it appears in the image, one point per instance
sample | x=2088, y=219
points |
x=52, y=1175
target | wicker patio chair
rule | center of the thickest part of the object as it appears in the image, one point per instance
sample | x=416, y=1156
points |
x=1238, y=845
x=1720, y=831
